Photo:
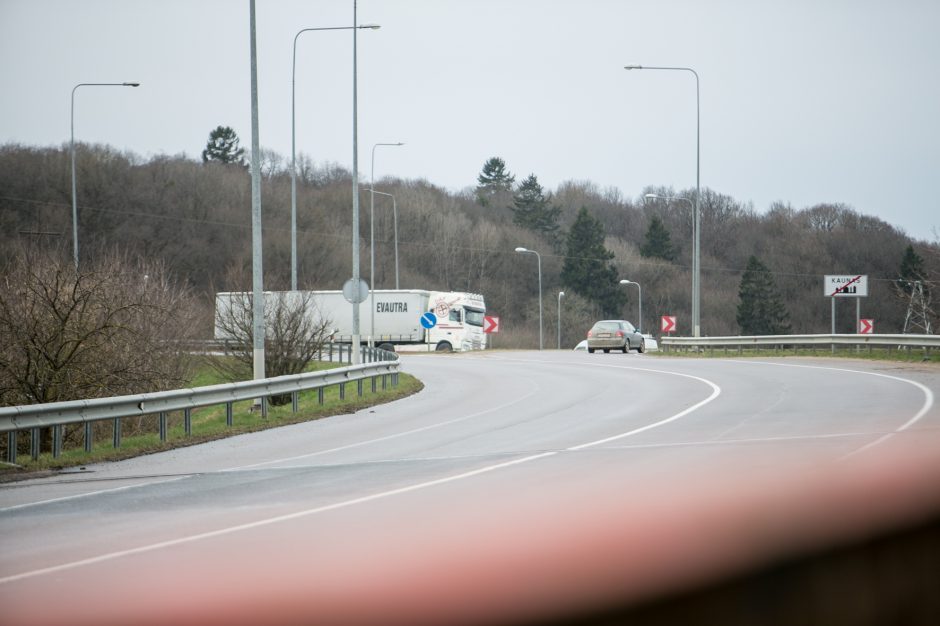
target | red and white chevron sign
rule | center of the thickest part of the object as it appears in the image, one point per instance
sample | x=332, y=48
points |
x=668, y=324
x=866, y=327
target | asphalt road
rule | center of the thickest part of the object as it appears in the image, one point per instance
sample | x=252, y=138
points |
x=497, y=443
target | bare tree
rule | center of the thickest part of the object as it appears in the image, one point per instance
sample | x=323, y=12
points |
x=117, y=325
x=295, y=334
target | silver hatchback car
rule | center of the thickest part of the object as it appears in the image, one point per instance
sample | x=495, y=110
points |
x=610, y=335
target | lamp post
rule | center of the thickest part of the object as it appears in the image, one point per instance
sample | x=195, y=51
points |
x=72, y=151
x=372, y=238
x=539, y=259
x=696, y=225
x=395, y=219
x=640, y=312
x=695, y=292
x=293, y=150
x=561, y=294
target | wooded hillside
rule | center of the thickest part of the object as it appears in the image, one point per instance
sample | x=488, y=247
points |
x=196, y=217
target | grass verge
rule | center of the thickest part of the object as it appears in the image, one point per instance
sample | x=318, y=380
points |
x=901, y=355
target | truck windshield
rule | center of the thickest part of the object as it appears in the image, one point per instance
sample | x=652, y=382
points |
x=474, y=317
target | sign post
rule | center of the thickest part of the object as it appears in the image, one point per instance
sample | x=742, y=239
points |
x=847, y=286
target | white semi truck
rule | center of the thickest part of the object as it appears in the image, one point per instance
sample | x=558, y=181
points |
x=456, y=317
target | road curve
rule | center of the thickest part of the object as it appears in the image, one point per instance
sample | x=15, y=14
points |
x=505, y=463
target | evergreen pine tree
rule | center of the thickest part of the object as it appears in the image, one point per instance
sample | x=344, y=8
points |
x=658, y=243
x=223, y=147
x=912, y=270
x=493, y=181
x=532, y=210
x=760, y=310
x=586, y=270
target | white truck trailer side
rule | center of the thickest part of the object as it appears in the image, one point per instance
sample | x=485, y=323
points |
x=397, y=314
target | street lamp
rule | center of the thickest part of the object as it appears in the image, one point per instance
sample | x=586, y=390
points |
x=561, y=294
x=293, y=150
x=395, y=218
x=695, y=292
x=696, y=225
x=640, y=312
x=539, y=259
x=72, y=150
x=372, y=237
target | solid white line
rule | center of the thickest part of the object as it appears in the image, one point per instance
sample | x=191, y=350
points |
x=928, y=397
x=90, y=493
x=268, y=521
x=347, y=503
x=385, y=438
x=716, y=391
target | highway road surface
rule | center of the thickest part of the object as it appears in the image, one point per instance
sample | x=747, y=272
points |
x=517, y=485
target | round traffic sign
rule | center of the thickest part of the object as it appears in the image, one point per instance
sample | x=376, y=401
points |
x=354, y=295
x=429, y=320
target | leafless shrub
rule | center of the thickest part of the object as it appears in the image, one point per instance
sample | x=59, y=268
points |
x=116, y=325
x=295, y=333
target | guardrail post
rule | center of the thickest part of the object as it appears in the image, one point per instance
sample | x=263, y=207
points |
x=89, y=437
x=188, y=421
x=56, y=441
x=342, y=391
x=116, y=431
x=264, y=407
x=373, y=384
x=11, y=447
x=34, y=443
x=320, y=396
x=229, y=415
x=359, y=387
x=384, y=381
x=162, y=420
x=294, y=401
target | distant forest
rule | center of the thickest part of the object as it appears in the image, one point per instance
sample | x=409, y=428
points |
x=196, y=217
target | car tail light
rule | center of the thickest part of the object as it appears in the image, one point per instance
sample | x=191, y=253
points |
x=620, y=333
x=589, y=334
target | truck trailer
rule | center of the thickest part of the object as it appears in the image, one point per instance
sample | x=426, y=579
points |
x=456, y=318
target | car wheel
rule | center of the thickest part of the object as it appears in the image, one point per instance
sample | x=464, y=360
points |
x=590, y=350
x=626, y=347
x=642, y=347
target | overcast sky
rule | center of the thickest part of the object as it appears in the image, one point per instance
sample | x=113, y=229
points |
x=802, y=101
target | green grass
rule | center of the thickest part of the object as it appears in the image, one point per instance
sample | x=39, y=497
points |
x=914, y=355
x=209, y=423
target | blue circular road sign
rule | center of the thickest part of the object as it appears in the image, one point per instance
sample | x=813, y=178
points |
x=429, y=320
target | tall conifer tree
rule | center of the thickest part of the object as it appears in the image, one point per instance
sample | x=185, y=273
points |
x=760, y=310
x=586, y=270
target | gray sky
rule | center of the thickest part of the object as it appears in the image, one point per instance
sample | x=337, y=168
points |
x=802, y=101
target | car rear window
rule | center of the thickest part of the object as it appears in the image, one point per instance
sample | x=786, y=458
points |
x=607, y=326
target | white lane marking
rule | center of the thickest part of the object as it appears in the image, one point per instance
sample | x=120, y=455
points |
x=347, y=503
x=928, y=397
x=716, y=391
x=268, y=521
x=89, y=493
x=385, y=438
x=284, y=460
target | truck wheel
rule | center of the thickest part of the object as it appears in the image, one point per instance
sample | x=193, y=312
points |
x=387, y=347
x=444, y=346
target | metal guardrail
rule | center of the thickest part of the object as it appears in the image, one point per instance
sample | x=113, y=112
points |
x=56, y=415
x=925, y=342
